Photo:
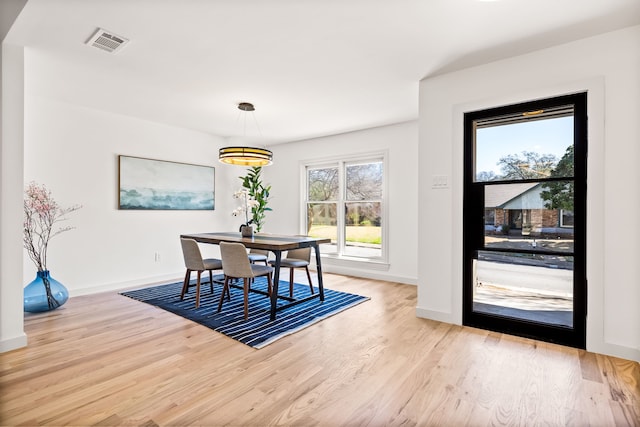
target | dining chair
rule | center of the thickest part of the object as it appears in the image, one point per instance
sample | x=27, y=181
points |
x=296, y=258
x=193, y=261
x=236, y=265
x=258, y=255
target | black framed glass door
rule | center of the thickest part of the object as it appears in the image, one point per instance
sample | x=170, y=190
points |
x=525, y=219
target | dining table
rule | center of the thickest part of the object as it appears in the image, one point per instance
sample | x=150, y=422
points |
x=276, y=243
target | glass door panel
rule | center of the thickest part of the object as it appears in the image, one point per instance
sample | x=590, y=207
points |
x=524, y=219
x=520, y=216
x=536, y=288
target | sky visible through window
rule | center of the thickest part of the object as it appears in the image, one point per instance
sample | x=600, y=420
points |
x=550, y=136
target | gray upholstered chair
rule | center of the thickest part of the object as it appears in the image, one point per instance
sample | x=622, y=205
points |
x=258, y=255
x=236, y=265
x=193, y=262
x=296, y=258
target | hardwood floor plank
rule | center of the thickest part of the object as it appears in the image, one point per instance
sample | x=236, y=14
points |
x=589, y=366
x=106, y=359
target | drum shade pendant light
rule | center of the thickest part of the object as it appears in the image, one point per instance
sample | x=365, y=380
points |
x=245, y=156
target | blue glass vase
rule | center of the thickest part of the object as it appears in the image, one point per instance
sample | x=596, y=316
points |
x=44, y=294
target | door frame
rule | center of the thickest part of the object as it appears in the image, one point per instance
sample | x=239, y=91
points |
x=473, y=227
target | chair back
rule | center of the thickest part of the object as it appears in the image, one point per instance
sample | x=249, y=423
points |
x=192, y=256
x=259, y=252
x=235, y=261
x=303, y=254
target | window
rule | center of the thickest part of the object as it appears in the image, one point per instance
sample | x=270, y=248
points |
x=566, y=218
x=344, y=202
x=489, y=217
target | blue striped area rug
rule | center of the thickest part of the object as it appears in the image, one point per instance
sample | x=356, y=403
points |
x=258, y=331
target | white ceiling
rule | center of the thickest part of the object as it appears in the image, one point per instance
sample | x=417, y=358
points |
x=311, y=67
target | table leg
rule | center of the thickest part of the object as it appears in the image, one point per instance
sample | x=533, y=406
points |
x=276, y=282
x=319, y=271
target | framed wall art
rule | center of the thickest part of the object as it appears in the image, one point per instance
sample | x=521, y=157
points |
x=147, y=184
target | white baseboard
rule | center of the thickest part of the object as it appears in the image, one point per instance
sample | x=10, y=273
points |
x=614, y=350
x=376, y=275
x=129, y=284
x=439, y=316
x=178, y=277
x=13, y=343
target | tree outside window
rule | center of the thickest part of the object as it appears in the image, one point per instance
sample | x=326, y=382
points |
x=355, y=188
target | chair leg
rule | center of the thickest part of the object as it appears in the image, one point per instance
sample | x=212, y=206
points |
x=309, y=277
x=291, y=282
x=198, y=289
x=225, y=288
x=211, y=280
x=185, y=285
x=246, y=298
x=269, y=284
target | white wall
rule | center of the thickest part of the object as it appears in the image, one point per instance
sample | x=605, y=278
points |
x=608, y=67
x=400, y=141
x=11, y=136
x=11, y=320
x=74, y=151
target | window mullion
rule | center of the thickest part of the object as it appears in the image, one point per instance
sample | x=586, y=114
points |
x=341, y=207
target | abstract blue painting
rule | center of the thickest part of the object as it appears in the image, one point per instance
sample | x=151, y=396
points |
x=162, y=185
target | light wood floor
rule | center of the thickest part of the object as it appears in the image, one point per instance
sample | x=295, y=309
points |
x=108, y=360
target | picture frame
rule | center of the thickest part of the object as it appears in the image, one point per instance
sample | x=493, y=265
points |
x=149, y=184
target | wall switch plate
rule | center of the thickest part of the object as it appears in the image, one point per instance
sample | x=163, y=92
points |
x=440, y=181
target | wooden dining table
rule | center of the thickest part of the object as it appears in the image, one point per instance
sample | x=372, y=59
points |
x=277, y=244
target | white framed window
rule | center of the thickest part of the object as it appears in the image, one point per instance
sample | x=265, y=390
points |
x=566, y=218
x=344, y=201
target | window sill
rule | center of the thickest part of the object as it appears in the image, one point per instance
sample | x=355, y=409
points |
x=354, y=262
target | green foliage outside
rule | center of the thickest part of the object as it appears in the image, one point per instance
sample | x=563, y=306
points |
x=559, y=194
x=531, y=165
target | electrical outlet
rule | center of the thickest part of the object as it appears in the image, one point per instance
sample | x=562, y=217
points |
x=157, y=257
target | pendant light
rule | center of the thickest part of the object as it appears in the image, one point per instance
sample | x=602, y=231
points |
x=242, y=155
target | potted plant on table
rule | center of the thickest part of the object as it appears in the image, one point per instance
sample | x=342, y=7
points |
x=246, y=204
x=42, y=212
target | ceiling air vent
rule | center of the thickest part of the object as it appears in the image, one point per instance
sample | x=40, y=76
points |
x=105, y=40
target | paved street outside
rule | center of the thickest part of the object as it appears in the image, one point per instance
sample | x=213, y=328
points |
x=525, y=278
x=536, y=286
x=541, y=246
